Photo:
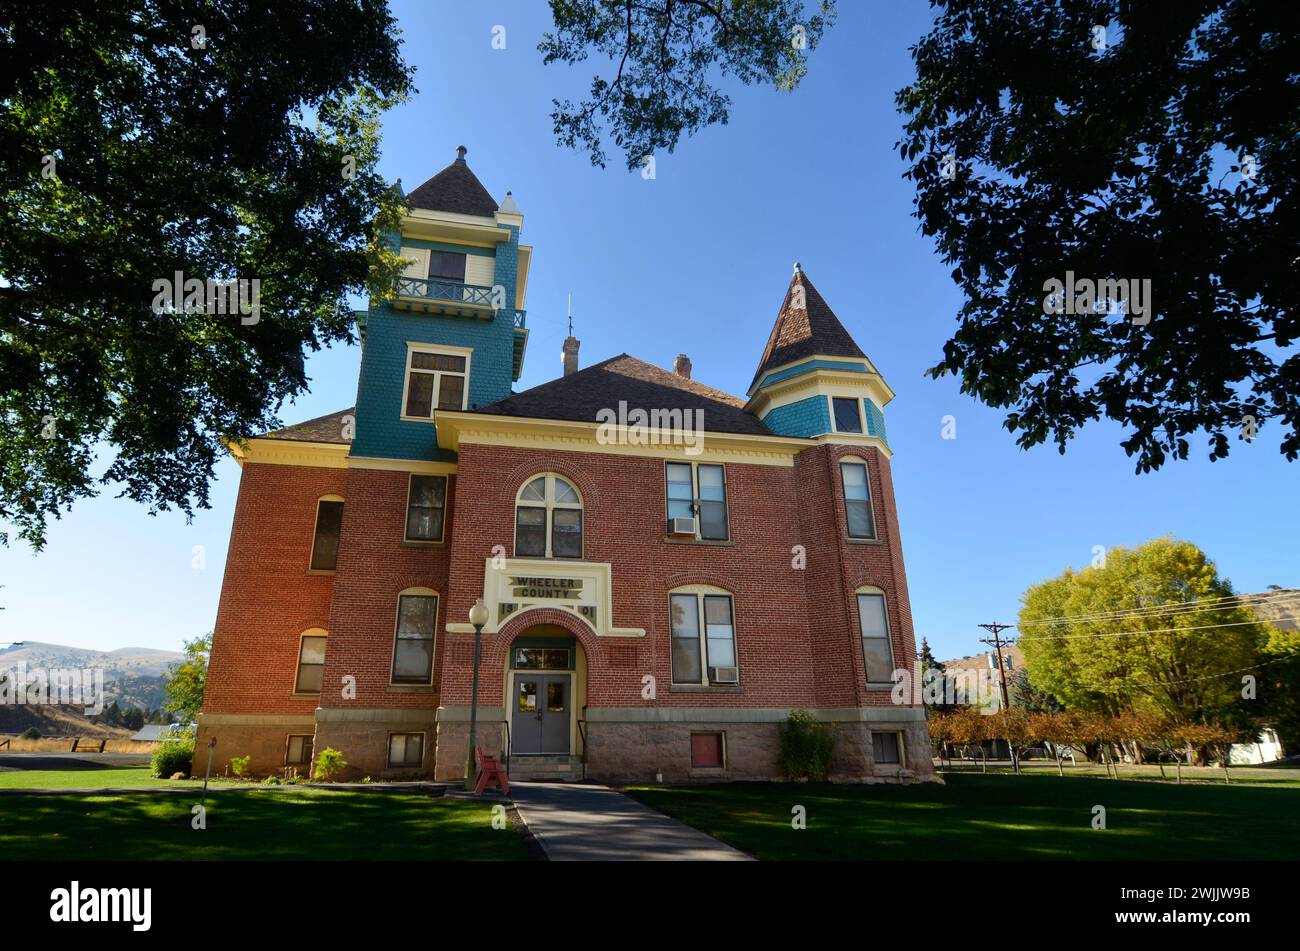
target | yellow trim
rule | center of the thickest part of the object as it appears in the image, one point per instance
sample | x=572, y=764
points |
x=521, y=279
x=820, y=383
x=413, y=466
x=871, y=370
x=453, y=228
x=417, y=346
x=290, y=452
x=573, y=436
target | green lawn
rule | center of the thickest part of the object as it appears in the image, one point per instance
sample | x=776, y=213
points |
x=252, y=824
x=127, y=777
x=993, y=817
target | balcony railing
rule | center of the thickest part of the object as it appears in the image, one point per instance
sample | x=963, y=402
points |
x=454, y=292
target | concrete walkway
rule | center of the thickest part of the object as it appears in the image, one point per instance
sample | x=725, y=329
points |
x=575, y=822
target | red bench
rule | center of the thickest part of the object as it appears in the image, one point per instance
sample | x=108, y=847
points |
x=490, y=773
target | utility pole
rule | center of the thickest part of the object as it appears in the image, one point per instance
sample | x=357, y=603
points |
x=997, y=642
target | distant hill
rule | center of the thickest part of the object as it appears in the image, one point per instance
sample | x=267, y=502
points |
x=133, y=676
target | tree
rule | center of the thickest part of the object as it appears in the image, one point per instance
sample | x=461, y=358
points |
x=1116, y=140
x=1028, y=697
x=1143, y=631
x=186, y=681
x=940, y=682
x=665, y=51
x=1279, y=684
x=141, y=140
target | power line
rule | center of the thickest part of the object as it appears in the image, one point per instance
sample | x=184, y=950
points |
x=1163, y=630
x=1184, y=607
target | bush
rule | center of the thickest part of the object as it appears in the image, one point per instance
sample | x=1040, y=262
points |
x=239, y=765
x=328, y=764
x=31, y=733
x=175, y=754
x=806, y=747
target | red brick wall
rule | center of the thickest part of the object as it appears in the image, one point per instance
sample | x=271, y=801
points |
x=267, y=596
x=796, y=630
x=375, y=565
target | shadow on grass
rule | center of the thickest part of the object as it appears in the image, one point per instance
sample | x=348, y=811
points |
x=992, y=817
x=270, y=824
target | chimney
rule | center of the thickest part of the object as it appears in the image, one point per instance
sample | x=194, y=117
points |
x=570, y=354
x=682, y=365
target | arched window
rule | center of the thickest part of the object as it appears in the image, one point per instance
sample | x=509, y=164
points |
x=548, y=519
x=311, y=661
x=877, y=648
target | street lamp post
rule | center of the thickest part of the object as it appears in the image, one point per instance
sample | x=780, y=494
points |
x=478, y=616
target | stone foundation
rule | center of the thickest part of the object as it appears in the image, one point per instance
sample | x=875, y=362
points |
x=263, y=738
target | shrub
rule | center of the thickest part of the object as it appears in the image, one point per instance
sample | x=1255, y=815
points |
x=31, y=733
x=328, y=764
x=806, y=747
x=175, y=754
x=239, y=765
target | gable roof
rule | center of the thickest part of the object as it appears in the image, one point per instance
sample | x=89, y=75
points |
x=326, y=429
x=455, y=189
x=582, y=395
x=801, y=331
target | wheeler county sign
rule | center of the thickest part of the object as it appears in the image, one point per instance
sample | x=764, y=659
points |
x=528, y=587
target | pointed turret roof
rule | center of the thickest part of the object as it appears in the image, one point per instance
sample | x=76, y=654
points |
x=455, y=189
x=805, y=325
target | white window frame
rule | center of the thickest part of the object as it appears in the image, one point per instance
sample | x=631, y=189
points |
x=700, y=592
x=862, y=416
x=297, y=663
x=414, y=347
x=868, y=590
x=433, y=643
x=844, y=494
x=550, y=505
x=695, y=497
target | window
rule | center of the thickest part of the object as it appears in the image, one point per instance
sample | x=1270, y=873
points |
x=447, y=266
x=405, y=750
x=699, y=490
x=876, y=649
x=848, y=414
x=542, y=658
x=703, y=653
x=311, y=663
x=706, y=751
x=417, y=616
x=885, y=749
x=325, y=542
x=298, y=751
x=434, y=380
x=426, y=502
x=857, y=500
x=548, y=519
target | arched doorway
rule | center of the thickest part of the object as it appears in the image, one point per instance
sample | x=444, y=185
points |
x=546, y=688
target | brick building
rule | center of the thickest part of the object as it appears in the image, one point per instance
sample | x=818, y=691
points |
x=668, y=569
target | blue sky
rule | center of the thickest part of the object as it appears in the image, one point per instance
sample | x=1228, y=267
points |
x=697, y=261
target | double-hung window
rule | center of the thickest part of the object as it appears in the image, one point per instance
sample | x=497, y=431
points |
x=426, y=503
x=877, y=652
x=417, y=616
x=435, y=379
x=703, y=635
x=311, y=663
x=857, y=499
x=325, y=538
x=698, y=491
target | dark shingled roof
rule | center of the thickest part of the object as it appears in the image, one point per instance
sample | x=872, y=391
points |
x=581, y=395
x=803, y=331
x=321, y=429
x=455, y=189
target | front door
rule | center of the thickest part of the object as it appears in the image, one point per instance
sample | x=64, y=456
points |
x=540, y=721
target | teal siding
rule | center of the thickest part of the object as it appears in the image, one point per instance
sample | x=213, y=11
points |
x=876, y=421
x=810, y=417
x=380, y=432
x=809, y=367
